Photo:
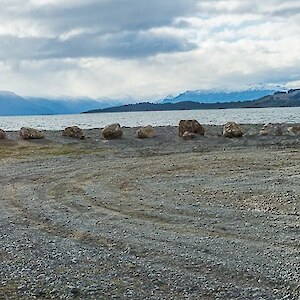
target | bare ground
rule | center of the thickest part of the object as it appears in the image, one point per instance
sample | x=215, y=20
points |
x=211, y=218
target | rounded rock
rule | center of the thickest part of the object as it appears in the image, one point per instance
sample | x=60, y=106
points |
x=232, y=130
x=27, y=133
x=294, y=130
x=2, y=134
x=113, y=131
x=74, y=131
x=146, y=132
x=192, y=126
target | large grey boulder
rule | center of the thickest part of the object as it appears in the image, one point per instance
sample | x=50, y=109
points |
x=113, y=131
x=27, y=133
x=146, y=132
x=192, y=126
x=2, y=134
x=232, y=130
x=74, y=132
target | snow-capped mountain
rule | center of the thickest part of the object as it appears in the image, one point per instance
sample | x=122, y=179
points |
x=218, y=96
x=11, y=104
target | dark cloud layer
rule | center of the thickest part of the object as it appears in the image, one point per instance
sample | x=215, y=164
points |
x=114, y=16
x=118, y=28
x=120, y=45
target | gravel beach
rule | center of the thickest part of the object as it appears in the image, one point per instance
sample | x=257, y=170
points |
x=159, y=218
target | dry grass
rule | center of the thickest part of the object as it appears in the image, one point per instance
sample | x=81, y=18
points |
x=21, y=151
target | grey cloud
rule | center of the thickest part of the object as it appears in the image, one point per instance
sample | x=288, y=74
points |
x=286, y=12
x=212, y=7
x=272, y=76
x=276, y=8
x=123, y=45
x=120, y=28
x=110, y=16
x=115, y=28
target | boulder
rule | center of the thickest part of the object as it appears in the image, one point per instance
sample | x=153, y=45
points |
x=232, y=130
x=192, y=126
x=2, y=134
x=271, y=129
x=30, y=133
x=113, y=131
x=74, y=131
x=294, y=130
x=188, y=135
x=146, y=132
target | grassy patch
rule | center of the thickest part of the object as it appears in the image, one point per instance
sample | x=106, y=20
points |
x=9, y=291
x=31, y=151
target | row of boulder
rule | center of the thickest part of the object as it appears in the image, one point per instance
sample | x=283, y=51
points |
x=25, y=133
x=113, y=131
x=187, y=129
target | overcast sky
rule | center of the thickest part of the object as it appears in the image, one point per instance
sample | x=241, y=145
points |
x=147, y=48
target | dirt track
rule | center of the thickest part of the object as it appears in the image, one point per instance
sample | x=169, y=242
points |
x=211, y=218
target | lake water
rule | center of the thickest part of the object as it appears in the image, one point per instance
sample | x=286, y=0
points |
x=161, y=118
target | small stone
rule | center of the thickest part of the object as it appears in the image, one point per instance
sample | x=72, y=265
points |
x=53, y=291
x=74, y=290
x=271, y=129
x=188, y=135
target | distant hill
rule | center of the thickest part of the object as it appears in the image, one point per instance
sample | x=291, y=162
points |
x=66, y=105
x=290, y=98
x=278, y=99
x=13, y=105
x=213, y=97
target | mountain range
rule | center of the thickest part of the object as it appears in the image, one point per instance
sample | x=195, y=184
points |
x=219, y=96
x=278, y=99
x=12, y=104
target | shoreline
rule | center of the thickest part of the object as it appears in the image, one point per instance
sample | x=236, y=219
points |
x=159, y=218
x=166, y=136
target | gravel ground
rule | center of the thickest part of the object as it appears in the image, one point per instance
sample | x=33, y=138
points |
x=163, y=218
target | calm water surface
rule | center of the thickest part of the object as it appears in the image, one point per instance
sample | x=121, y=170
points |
x=161, y=118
